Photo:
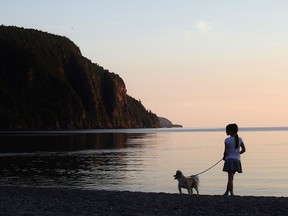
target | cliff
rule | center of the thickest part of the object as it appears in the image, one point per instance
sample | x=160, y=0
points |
x=46, y=83
x=166, y=123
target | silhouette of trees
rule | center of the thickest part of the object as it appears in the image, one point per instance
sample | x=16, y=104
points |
x=45, y=83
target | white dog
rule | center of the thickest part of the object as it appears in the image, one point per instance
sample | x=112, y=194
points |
x=189, y=182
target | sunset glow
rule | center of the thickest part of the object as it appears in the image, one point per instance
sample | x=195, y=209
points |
x=197, y=63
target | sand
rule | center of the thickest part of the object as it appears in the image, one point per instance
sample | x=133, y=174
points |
x=61, y=201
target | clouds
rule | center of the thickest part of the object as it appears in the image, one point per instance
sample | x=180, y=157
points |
x=203, y=26
x=191, y=31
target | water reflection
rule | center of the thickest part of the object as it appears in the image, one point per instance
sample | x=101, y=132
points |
x=62, y=142
x=78, y=160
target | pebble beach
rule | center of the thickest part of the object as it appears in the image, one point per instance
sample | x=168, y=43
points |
x=61, y=201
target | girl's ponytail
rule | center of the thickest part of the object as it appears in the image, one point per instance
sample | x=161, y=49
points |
x=237, y=141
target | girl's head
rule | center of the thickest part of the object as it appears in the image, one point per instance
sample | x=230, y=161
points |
x=231, y=129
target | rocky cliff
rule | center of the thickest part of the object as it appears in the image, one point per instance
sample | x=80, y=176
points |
x=166, y=123
x=46, y=83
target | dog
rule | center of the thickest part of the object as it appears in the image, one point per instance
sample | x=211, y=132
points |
x=188, y=183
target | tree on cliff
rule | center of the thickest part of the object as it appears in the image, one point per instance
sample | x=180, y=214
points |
x=46, y=83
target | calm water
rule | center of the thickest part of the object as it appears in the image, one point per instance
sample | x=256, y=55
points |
x=144, y=160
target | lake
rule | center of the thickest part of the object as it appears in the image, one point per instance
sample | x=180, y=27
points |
x=144, y=159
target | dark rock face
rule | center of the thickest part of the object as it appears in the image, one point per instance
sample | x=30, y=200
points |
x=46, y=83
x=165, y=123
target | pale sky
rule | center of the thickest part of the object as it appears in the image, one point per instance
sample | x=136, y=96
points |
x=198, y=63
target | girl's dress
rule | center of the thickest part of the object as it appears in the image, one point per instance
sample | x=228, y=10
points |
x=232, y=159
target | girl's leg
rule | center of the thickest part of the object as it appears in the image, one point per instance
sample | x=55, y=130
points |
x=230, y=184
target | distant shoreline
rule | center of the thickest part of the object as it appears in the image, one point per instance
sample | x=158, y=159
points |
x=61, y=201
x=136, y=130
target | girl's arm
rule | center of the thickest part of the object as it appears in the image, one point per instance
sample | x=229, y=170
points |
x=243, y=148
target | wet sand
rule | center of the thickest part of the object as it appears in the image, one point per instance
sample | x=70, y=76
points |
x=59, y=201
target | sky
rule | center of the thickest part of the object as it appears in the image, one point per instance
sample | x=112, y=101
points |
x=198, y=63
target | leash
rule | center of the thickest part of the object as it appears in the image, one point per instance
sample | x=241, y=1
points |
x=210, y=167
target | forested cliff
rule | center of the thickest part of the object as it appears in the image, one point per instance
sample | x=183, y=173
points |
x=46, y=84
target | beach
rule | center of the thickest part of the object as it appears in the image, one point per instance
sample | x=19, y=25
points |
x=63, y=201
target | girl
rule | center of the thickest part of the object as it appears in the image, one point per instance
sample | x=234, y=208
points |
x=232, y=152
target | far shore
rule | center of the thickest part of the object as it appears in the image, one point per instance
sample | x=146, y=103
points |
x=63, y=201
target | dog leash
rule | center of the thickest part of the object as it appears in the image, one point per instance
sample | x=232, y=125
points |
x=210, y=167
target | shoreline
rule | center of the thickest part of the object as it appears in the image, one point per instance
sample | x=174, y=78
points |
x=63, y=201
x=124, y=130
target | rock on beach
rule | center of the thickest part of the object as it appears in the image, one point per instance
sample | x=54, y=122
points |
x=63, y=201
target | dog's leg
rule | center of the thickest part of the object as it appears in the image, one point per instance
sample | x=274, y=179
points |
x=196, y=188
x=187, y=187
x=179, y=188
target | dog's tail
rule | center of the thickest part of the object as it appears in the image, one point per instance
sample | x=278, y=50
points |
x=195, y=178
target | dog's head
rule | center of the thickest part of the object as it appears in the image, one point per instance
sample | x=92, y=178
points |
x=178, y=174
